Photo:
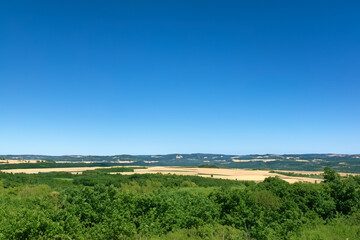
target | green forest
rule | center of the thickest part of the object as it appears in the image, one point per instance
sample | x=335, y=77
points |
x=99, y=205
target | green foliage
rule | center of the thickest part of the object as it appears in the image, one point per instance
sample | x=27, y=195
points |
x=187, y=184
x=207, y=166
x=267, y=199
x=342, y=227
x=330, y=175
x=210, y=232
x=110, y=170
x=292, y=174
x=156, y=206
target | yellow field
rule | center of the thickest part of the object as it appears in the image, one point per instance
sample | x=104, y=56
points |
x=223, y=173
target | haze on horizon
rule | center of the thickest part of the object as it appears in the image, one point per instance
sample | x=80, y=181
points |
x=139, y=77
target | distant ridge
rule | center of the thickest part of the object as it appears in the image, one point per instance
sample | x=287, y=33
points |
x=308, y=162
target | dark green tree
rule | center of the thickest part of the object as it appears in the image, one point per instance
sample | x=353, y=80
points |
x=330, y=175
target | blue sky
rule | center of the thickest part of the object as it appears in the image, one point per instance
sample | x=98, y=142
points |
x=155, y=77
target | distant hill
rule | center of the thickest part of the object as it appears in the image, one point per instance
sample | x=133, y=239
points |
x=309, y=162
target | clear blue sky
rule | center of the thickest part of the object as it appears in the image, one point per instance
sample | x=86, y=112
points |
x=155, y=77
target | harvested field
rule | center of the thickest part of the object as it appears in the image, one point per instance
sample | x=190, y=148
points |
x=45, y=170
x=223, y=173
x=254, y=160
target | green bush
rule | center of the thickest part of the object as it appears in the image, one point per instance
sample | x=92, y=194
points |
x=156, y=206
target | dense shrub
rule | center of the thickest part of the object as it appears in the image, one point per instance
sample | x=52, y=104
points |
x=155, y=206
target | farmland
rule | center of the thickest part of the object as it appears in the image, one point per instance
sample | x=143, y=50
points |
x=222, y=173
x=134, y=204
x=346, y=163
x=47, y=199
